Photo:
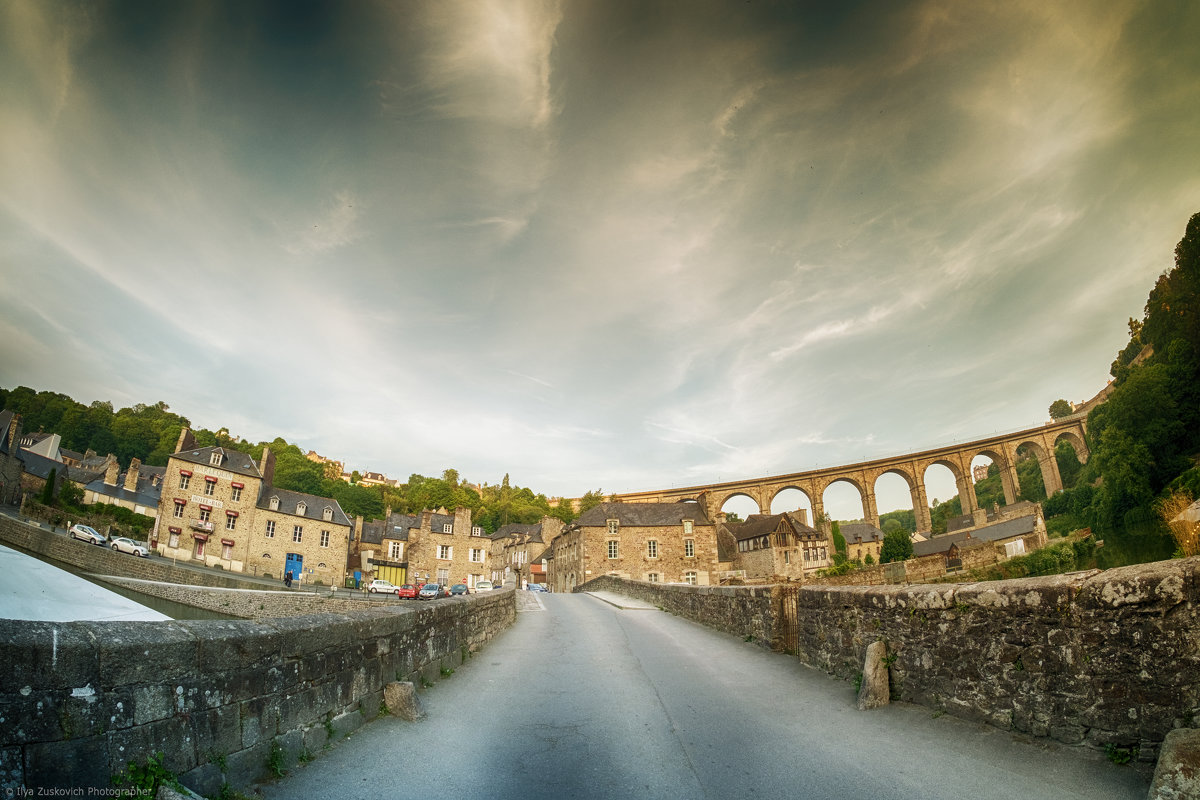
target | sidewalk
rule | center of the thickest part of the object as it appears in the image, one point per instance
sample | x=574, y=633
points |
x=622, y=602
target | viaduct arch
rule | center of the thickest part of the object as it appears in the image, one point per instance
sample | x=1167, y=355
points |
x=1001, y=449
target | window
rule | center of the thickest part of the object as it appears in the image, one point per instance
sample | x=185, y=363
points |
x=184, y=480
x=396, y=550
x=274, y=503
x=230, y=522
x=689, y=548
x=270, y=529
x=215, y=458
x=226, y=550
x=174, y=540
x=327, y=514
x=204, y=514
x=209, y=486
x=324, y=538
x=690, y=578
x=237, y=493
x=445, y=552
x=652, y=577
x=476, y=555
x=301, y=509
x=613, y=527
x=179, y=510
x=476, y=530
x=443, y=576
x=447, y=527
x=612, y=548
x=297, y=533
x=787, y=556
x=652, y=549
x=687, y=527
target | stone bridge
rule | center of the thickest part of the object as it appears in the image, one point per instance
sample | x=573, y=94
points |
x=1001, y=449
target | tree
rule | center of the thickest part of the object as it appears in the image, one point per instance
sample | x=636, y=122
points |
x=897, y=546
x=839, y=541
x=1059, y=409
x=732, y=516
x=47, y=496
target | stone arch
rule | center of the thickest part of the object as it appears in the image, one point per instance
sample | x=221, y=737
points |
x=749, y=494
x=1007, y=465
x=853, y=480
x=773, y=492
x=959, y=465
x=1044, y=453
x=904, y=472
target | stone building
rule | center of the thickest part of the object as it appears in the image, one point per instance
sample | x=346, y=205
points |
x=518, y=548
x=1014, y=536
x=862, y=539
x=138, y=488
x=439, y=547
x=11, y=465
x=775, y=547
x=655, y=542
x=218, y=507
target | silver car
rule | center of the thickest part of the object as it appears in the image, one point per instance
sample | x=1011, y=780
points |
x=88, y=534
x=125, y=545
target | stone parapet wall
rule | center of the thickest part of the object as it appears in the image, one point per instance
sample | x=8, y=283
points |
x=253, y=603
x=221, y=699
x=1096, y=658
x=741, y=610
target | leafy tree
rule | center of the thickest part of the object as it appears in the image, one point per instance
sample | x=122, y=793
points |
x=1059, y=409
x=47, y=496
x=897, y=546
x=732, y=516
x=839, y=541
x=591, y=500
x=903, y=518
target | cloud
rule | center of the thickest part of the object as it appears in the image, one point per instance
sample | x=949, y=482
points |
x=335, y=227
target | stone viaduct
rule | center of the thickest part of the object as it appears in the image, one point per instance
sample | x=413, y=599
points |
x=1001, y=449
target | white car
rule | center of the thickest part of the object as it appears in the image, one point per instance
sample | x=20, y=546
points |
x=88, y=534
x=380, y=585
x=129, y=546
x=483, y=586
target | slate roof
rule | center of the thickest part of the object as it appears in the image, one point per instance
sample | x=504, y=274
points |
x=533, y=530
x=39, y=466
x=315, y=506
x=755, y=526
x=861, y=533
x=234, y=460
x=805, y=530
x=1007, y=529
x=146, y=494
x=372, y=532
x=642, y=514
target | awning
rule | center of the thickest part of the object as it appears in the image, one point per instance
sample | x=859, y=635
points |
x=179, y=501
x=238, y=485
x=187, y=472
x=228, y=542
x=206, y=508
x=175, y=531
x=200, y=537
x=229, y=513
x=210, y=479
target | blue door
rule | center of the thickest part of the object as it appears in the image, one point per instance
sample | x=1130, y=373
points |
x=295, y=562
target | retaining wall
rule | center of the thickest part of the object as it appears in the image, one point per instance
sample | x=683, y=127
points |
x=256, y=603
x=221, y=699
x=1098, y=658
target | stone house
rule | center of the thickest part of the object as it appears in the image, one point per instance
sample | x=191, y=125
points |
x=217, y=507
x=775, y=547
x=518, y=548
x=11, y=465
x=138, y=488
x=442, y=548
x=862, y=539
x=655, y=542
x=1010, y=537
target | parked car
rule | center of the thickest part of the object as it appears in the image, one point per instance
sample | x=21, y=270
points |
x=407, y=592
x=380, y=585
x=483, y=586
x=537, y=587
x=125, y=545
x=430, y=591
x=88, y=534
x=459, y=588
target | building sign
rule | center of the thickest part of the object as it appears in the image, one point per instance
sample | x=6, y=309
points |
x=207, y=501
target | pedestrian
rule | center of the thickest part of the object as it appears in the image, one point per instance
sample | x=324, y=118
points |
x=287, y=580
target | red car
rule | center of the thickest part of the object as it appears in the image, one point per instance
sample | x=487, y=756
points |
x=407, y=591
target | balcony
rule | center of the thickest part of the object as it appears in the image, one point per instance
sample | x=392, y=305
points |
x=200, y=525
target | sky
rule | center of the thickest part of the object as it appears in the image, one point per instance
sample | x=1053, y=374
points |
x=592, y=245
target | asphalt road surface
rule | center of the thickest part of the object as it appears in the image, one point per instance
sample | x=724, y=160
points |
x=580, y=699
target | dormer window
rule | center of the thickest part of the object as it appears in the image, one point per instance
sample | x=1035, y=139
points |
x=447, y=527
x=301, y=509
x=613, y=527
x=215, y=458
x=476, y=530
x=274, y=503
x=687, y=527
x=327, y=514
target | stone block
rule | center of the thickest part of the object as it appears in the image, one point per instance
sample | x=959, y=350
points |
x=12, y=769
x=144, y=652
x=875, y=690
x=41, y=655
x=71, y=764
x=402, y=701
x=205, y=780
x=246, y=766
x=1177, y=775
x=233, y=645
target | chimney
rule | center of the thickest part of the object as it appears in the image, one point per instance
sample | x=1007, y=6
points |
x=131, y=475
x=110, y=473
x=186, y=440
x=462, y=521
x=358, y=528
x=267, y=467
x=426, y=518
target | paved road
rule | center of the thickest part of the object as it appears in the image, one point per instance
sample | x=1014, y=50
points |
x=580, y=699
